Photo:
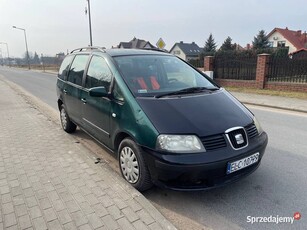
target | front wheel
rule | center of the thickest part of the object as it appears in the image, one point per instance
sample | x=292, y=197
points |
x=132, y=165
x=66, y=123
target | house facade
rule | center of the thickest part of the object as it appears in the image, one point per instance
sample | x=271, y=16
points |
x=186, y=51
x=294, y=40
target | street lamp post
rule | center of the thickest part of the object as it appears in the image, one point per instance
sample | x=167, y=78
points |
x=89, y=21
x=7, y=49
x=24, y=31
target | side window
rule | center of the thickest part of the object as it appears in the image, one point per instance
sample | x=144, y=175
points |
x=117, y=94
x=98, y=73
x=65, y=67
x=77, y=69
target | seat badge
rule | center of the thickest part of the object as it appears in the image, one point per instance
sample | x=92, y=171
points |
x=239, y=139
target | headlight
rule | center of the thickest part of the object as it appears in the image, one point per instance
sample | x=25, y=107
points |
x=258, y=126
x=179, y=143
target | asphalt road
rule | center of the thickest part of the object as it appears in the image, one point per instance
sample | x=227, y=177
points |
x=277, y=188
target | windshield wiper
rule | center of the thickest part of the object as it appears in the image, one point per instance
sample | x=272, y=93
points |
x=186, y=91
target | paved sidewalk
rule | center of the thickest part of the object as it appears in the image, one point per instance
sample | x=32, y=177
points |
x=272, y=101
x=50, y=181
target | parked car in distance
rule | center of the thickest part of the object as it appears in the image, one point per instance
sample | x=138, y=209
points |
x=168, y=123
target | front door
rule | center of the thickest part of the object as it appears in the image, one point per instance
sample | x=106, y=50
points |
x=73, y=87
x=96, y=110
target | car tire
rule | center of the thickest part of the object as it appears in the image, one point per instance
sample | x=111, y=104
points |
x=132, y=165
x=66, y=123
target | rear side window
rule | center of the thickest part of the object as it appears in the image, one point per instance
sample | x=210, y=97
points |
x=65, y=67
x=98, y=73
x=77, y=69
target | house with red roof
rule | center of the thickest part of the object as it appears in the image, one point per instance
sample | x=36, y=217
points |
x=295, y=40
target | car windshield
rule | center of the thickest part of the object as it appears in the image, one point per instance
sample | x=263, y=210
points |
x=158, y=75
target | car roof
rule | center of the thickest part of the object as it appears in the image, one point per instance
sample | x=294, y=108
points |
x=127, y=52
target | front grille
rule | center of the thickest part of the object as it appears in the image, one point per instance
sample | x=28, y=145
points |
x=214, y=142
x=251, y=131
x=237, y=138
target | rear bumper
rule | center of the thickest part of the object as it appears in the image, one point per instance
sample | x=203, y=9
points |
x=201, y=171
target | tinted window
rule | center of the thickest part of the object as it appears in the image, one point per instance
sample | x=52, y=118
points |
x=98, y=74
x=65, y=67
x=77, y=69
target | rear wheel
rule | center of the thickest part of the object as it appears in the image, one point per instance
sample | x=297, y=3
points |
x=132, y=165
x=67, y=124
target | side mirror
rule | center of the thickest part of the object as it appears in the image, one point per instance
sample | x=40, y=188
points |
x=98, y=92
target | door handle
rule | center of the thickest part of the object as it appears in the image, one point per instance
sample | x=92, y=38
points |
x=65, y=91
x=83, y=100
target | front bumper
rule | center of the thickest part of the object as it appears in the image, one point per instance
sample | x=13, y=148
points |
x=201, y=171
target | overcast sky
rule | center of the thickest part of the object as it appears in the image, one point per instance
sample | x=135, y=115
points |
x=54, y=26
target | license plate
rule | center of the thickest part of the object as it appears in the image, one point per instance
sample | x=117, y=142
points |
x=243, y=163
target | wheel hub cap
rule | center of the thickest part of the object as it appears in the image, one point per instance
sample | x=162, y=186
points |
x=129, y=165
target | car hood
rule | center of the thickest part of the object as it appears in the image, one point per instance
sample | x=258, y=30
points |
x=201, y=114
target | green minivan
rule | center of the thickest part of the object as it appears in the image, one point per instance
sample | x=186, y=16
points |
x=167, y=122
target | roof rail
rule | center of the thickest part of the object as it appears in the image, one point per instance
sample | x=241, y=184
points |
x=154, y=49
x=88, y=48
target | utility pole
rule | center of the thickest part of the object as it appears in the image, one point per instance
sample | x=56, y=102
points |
x=89, y=21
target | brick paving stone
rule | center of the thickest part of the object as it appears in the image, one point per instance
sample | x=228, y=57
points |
x=58, y=205
x=35, y=212
x=64, y=216
x=4, y=189
x=120, y=203
x=41, y=194
x=134, y=205
x=125, y=224
x=106, y=201
x=79, y=218
x=31, y=201
x=115, y=212
x=72, y=206
x=130, y=214
x=21, y=210
x=54, y=225
x=145, y=217
x=100, y=210
x=7, y=208
x=50, y=214
x=95, y=221
x=155, y=226
x=70, y=226
x=6, y=198
x=53, y=195
x=92, y=199
x=24, y=222
x=109, y=222
x=39, y=223
x=44, y=203
x=86, y=208
x=10, y=220
x=139, y=225
x=79, y=198
x=28, y=192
